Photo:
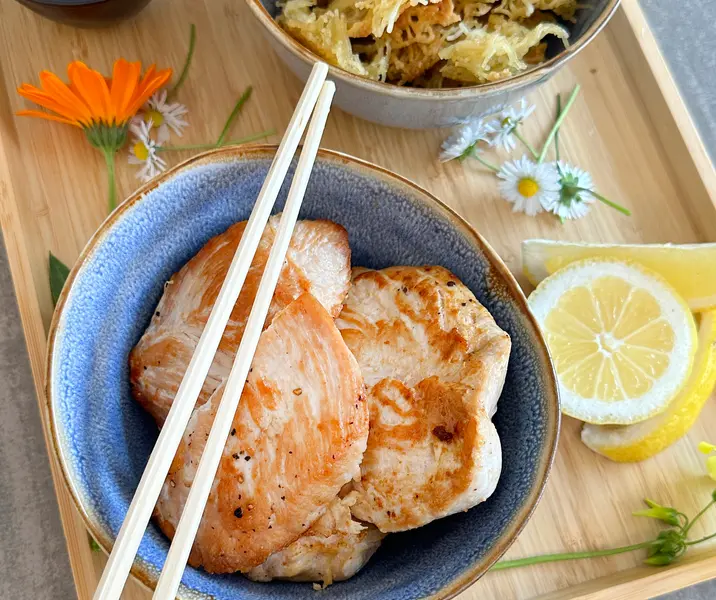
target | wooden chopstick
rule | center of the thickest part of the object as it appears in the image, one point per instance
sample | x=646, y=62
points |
x=140, y=510
x=170, y=577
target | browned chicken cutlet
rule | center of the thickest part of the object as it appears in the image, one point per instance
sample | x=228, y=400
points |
x=434, y=363
x=297, y=437
x=335, y=548
x=318, y=262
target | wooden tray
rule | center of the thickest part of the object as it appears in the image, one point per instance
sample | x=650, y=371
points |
x=629, y=128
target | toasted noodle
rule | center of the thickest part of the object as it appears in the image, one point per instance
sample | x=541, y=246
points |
x=417, y=38
x=521, y=9
x=429, y=43
x=324, y=32
x=384, y=13
x=472, y=9
x=357, y=19
x=494, y=52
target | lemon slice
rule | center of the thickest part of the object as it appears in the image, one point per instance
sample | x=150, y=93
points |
x=621, y=339
x=690, y=269
x=630, y=443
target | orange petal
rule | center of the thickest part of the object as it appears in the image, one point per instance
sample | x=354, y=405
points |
x=56, y=88
x=125, y=78
x=47, y=101
x=43, y=115
x=150, y=83
x=93, y=90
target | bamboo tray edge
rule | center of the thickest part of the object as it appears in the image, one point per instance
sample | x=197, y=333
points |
x=692, y=169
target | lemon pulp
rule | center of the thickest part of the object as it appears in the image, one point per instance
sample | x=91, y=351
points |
x=621, y=340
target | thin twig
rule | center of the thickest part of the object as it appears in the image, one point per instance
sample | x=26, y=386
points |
x=556, y=133
x=558, y=123
x=243, y=140
x=606, y=201
x=698, y=516
x=472, y=153
x=234, y=113
x=187, y=63
x=533, y=560
x=527, y=145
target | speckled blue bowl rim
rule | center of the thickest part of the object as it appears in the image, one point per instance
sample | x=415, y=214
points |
x=142, y=571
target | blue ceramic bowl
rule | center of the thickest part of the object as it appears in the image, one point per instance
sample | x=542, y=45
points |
x=103, y=438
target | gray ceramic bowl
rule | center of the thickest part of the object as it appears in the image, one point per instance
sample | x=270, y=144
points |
x=103, y=439
x=415, y=108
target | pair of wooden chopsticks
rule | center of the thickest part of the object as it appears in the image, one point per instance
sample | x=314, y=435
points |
x=316, y=98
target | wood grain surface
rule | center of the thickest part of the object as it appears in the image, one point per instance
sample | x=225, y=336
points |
x=628, y=127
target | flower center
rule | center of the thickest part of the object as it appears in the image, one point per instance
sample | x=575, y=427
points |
x=141, y=151
x=527, y=187
x=156, y=118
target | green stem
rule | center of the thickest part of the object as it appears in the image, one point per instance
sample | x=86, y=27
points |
x=112, y=193
x=187, y=62
x=482, y=161
x=234, y=113
x=558, y=123
x=244, y=140
x=606, y=201
x=698, y=516
x=533, y=560
x=556, y=133
x=703, y=539
x=529, y=146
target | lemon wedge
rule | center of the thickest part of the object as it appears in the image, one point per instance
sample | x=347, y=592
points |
x=630, y=443
x=621, y=339
x=690, y=269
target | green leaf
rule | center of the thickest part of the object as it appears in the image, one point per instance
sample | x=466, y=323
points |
x=666, y=514
x=58, y=275
x=94, y=546
x=659, y=560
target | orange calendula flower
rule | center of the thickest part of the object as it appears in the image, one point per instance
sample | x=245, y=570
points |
x=101, y=107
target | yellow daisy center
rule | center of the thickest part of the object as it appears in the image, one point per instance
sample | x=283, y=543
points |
x=141, y=151
x=156, y=118
x=527, y=187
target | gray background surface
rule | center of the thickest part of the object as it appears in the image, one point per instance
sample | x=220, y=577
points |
x=33, y=558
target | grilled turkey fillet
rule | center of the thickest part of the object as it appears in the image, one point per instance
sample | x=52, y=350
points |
x=318, y=262
x=434, y=363
x=335, y=548
x=297, y=437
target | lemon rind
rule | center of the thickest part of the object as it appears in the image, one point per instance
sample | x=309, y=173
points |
x=535, y=270
x=640, y=441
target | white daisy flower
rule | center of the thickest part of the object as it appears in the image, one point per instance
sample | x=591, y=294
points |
x=462, y=142
x=528, y=186
x=576, y=193
x=165, y=116
x=469, y=133
x=144, y=151
x=506, y=123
